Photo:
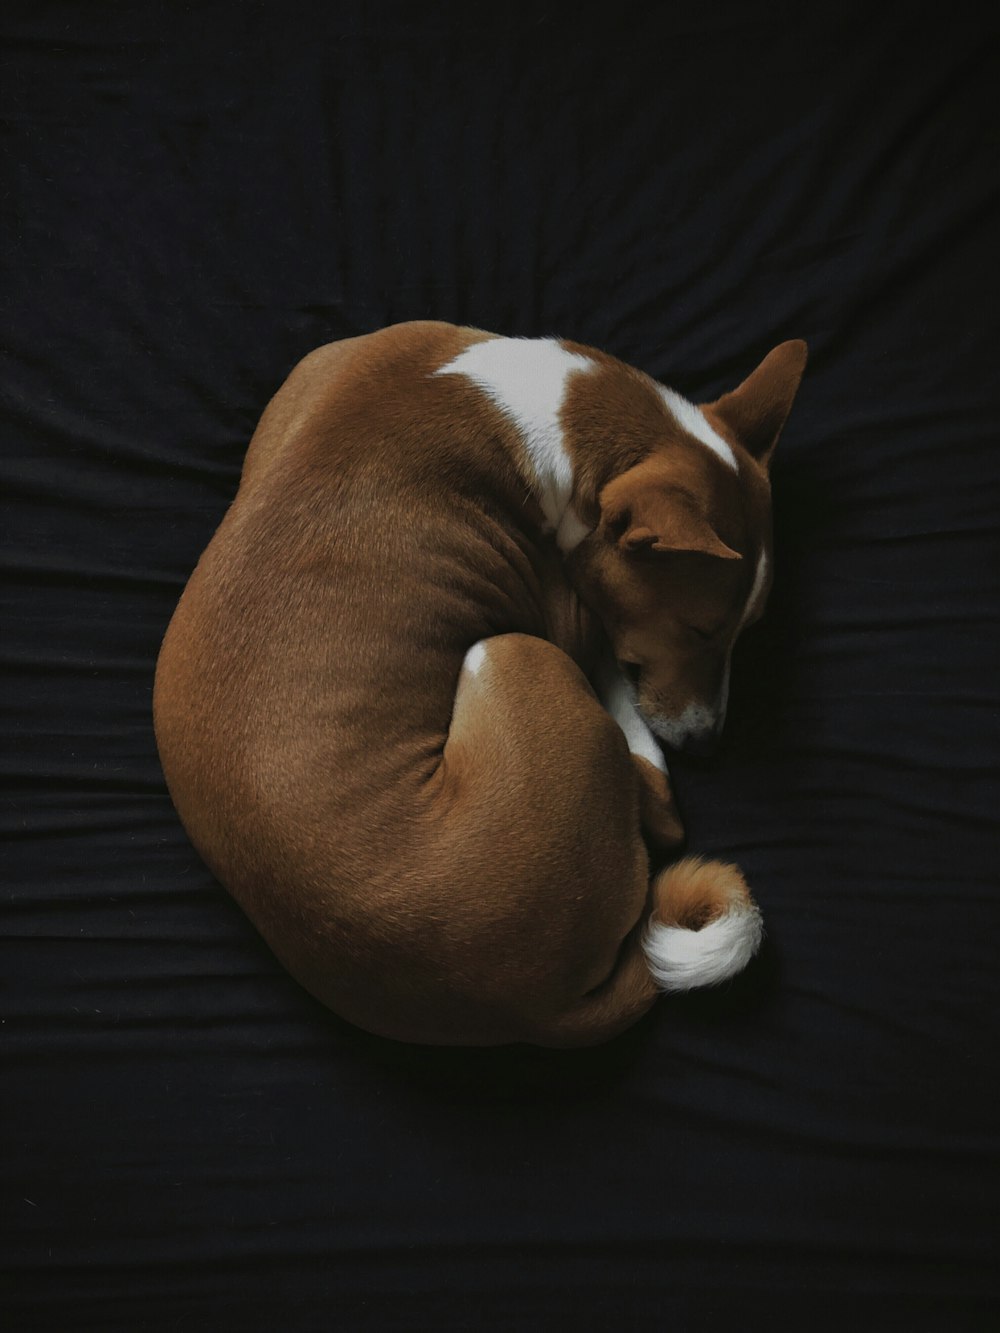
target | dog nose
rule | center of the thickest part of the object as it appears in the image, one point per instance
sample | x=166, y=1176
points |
x=701, y=744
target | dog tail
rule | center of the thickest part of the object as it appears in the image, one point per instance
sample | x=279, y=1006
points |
x=705, y=927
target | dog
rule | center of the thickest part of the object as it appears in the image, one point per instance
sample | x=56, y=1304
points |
x=411, y=703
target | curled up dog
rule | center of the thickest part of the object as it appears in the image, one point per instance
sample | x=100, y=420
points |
x=411, y=702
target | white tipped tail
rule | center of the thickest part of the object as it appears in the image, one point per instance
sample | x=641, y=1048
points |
x=681, y=952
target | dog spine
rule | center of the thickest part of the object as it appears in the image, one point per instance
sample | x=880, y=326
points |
x=705, y=927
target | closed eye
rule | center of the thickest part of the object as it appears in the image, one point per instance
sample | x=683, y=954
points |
x=631, y=672
x=703, y=633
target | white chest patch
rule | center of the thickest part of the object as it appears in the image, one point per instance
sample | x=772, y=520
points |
x=526, y=378
x=691, y=418
x=618, y=698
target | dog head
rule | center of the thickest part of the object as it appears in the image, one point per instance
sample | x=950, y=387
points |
x=679, y=562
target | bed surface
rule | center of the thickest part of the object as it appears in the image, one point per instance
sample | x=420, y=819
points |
x=194, y=198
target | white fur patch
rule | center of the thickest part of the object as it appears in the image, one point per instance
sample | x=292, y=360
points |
x=723, y=702
x=571, y=531
x=475, y=658
x=691, y=419
x=757, y=591
x=694, y=721
x=682, y=959
x=526, y=378
x=618, y=699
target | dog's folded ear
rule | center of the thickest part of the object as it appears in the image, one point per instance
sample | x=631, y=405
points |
x=640, y=515
x=756, y=411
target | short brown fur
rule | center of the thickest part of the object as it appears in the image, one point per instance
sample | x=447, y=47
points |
x=439, y=857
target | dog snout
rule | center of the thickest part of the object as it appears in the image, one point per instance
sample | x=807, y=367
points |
x=695, y=731
x=706, y=724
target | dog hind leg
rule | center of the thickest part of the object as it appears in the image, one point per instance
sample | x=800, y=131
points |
x=544, y=793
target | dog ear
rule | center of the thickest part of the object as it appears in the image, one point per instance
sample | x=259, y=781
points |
x=656, y=518
x=757, y=410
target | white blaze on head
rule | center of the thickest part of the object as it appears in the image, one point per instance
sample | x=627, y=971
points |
x=526, y=378
x=757, y=591
x=691, y=419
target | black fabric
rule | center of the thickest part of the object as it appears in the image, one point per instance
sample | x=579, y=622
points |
x=197, y=195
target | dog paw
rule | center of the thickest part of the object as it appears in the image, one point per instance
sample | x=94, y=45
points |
x=658, y=817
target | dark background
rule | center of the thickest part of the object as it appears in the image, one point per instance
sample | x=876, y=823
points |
x=194, y=197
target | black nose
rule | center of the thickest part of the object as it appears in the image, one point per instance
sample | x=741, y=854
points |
x=701, y=744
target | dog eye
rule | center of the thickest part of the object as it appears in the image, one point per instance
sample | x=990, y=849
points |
x=705, y=634
x=632, y=672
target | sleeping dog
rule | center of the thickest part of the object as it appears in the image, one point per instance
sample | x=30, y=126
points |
x=411, y=702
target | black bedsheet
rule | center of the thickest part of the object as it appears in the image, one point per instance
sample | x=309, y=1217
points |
x=197, y=195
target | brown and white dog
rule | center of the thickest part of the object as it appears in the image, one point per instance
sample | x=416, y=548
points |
x=408, y=705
